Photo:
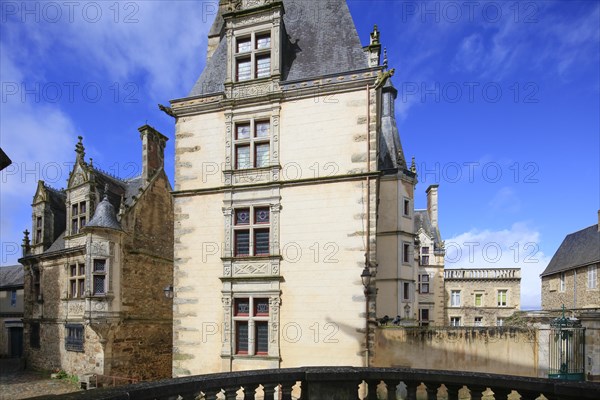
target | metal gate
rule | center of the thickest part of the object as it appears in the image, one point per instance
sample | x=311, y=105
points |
x=567, y=349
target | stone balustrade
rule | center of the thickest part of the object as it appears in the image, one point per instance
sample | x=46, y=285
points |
x=483, y=273
x=345, y=383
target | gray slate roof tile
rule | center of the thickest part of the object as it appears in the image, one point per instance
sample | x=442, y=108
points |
x=578, y=249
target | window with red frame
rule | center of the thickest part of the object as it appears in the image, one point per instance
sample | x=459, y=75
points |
x=251, y=321
x=251, y=232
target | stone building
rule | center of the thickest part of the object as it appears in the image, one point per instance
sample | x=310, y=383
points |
x=571, y=277
x=100, y=255
x=11, y=311
x=430, y=259
x=481, y=296
x=290, y=180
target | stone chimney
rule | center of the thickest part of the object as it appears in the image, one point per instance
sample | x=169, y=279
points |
x=432, y=204
x=153, y=151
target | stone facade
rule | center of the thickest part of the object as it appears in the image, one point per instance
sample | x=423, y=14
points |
x=11, y=311
x=481, y=297
x=290, y=181
x=94, y=300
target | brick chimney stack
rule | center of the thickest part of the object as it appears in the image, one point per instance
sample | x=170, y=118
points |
x=432, y=204
x=153, y=151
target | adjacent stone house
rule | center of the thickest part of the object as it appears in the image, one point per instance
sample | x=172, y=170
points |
x=11, y=311
x=430, y=259
x=100, y=256
x=290, y=180
x=481, y=296
x=571, y=277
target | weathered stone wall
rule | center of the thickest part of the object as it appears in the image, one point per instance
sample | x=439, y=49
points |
x=511, y=351
x=576, y=293
x=489, y=311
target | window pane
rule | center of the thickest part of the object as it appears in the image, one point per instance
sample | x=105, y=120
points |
x=81, y=269
x=242, y=217
x=73, y=270
x=242, y=131
x=261, y=307
x=73, y=292
x=263, y=66
x=261, y=242
x=74, y=210
x=262, y=155
x=244, y=70
x=74, y=227
x=425, y=250
x=262, y=338
x=262, y=129
x=82, y=222
x=242, y=307
x=39, y=222
x=81, y=288
x=244, y=45
x=82, y=208
x=242, y=243
x=263, y=42
x=241, y=337
x=99, y=265
x=261, y=215
x=242, y=157
x=99, y=281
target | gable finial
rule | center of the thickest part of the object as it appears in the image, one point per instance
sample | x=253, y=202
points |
x=26, y=246
x=375, y=35
x=413, y=166
x=79, y=149
x=105, y=197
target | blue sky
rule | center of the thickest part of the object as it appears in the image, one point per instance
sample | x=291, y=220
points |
x=498, y=103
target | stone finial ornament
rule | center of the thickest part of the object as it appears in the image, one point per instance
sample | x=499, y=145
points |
x=79, y=149
x=375, y=35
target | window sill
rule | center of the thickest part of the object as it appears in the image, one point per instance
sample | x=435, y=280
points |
x=257, y=357
x=252, y=258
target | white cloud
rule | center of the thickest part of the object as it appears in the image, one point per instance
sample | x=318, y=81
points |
x=505, y=201
x=514, y=247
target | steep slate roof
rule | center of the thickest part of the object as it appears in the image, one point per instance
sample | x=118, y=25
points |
x=578, y=249
x=59, y=244
x=422, y=221
x=104, y=216
x=315, y=29
x=11, y=276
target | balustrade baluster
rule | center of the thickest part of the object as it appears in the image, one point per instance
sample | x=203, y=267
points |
x=411, y=390
x=286, y=390
x=269, y=389
x=211, y=394
x=476, y=392
x=391, y=390
x=452, y=391
x=501, y=393
x=231, y=393
x=372, y=390
x=250, y=391
x=431, y=391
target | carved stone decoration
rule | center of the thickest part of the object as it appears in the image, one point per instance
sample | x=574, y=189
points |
x=100, y=249
x=250, y=269
x=228, y=214
x=274, y=303
x=226, y=301
x=275, y=213
x=75, y=308
x=228, y=141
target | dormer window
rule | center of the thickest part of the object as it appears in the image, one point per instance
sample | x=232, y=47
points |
x=78, y=217
x=253, y=56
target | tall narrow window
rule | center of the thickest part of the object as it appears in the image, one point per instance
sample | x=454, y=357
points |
x=424, y=255
x=13, y=298
x=424, y=283
x=424, y=317
x=478, y=299
x=38, y=230
x=253, y=56
x=502, y=294
x=455, y=298
x=406, y=209
x=252, y=232
x=563, y=285
x=99, y=277
x=34, y=335
x=78, y=217
x=76, y=280
x=251, y=320
x=252, y=144
x=406, y=291
x=592, y=277
x=406, y=253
